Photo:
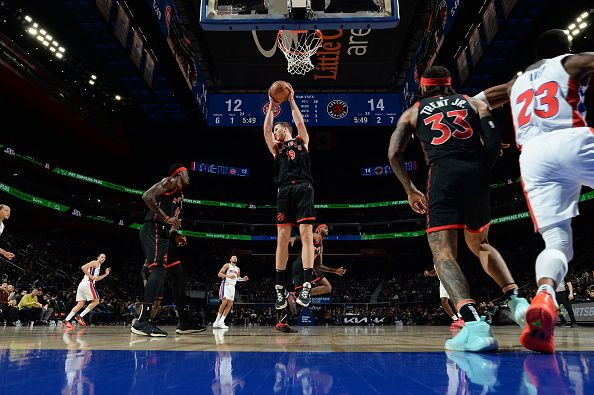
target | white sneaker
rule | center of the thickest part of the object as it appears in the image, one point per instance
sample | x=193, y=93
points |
x=222, y=326
x=215, y=325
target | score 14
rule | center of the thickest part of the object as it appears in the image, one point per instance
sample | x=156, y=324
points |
x=377, y=104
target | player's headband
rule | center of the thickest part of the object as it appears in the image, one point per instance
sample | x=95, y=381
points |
x=445, y=81
x=177, y=171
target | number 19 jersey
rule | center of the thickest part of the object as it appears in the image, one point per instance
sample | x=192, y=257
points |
x=545, y=99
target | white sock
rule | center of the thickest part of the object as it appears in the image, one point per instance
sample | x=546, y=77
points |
x=552, y=264
x=218, y=318
x=85, y=312
x=69, y=316
x=222, y=321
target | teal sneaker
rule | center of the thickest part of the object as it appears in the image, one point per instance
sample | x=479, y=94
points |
x=475, y=336
x=518, y=307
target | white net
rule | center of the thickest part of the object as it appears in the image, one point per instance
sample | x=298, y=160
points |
x=298, y=47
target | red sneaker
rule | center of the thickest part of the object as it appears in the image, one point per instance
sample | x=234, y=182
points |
x=68, y=325
x=80, y=320
x=458, y=324
x=541, y=316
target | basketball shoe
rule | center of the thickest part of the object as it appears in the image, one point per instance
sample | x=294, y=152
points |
x=518, y=307
x=480, y=369
x=285, y=328
x=541, y=316
x=475, y=336
x=80, y=320
x=281, y=297
x=68, y=325
x=147, y=328
x=303, y=297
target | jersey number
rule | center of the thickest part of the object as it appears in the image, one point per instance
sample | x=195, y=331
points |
x=446, y=131
x=546, y=96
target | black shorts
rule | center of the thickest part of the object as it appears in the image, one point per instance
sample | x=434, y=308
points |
x=295, y=204
x=158, y=247
x=458, y=196
x=297, y=273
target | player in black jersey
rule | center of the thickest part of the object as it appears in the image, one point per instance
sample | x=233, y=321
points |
x=158, y=235
x=461, y=143
x=320, y=283
x=295, y=199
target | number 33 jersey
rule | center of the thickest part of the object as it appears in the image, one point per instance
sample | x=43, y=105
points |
x=448, y=127
x=546, y=98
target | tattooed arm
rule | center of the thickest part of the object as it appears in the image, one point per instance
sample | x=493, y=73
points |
x=400, y=136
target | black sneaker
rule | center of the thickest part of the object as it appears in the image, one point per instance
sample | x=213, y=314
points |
x=285, y=328
x=303, y=296
x=189, y=327
x=147, y=328
x=281, y=297
x=574, y=325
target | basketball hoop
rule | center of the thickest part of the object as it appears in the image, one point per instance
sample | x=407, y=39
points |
x=298, y=47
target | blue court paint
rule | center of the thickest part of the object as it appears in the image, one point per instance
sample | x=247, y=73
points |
x=77, y=371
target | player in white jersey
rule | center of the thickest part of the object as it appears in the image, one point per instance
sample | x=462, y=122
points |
x=4, y=214
x=86, y=290
x=230, y=273
x=556, y=160
x=457, y=322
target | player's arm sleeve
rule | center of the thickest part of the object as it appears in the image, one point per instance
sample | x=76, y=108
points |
x=492, y=138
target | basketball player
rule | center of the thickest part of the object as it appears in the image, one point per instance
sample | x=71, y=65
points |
x=451, y=127
x=557, y=158
x=457, y=322
x=295, y=199
x=4, y=214
x=86, y=290
x=230, y=273
x=158, y=235
x=322, y=285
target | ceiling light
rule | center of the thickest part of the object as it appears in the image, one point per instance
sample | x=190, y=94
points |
x=61, y=49
x=35, y=25
x=93, y=77
x=59, y=55
x=91, y=82
x=55, y=43
x=519, y=73
x=48, y=37
x=579, y=19
x=583, y=25
x=40, y=38
x=52, y=49
x=32, y=31
x=41, y=31
x=118, y=97
x=585, y=14
x=575, y=32
x=45, y=43
x=572, y=26
x=28, y=18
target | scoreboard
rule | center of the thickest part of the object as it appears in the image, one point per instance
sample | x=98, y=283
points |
x=318, y=109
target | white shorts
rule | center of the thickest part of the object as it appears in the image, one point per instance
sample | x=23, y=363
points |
x=86, y=291
x=227, y=291
x=442, y=291
x=554, y=166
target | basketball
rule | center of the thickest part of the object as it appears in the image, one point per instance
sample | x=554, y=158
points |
x=279, y=91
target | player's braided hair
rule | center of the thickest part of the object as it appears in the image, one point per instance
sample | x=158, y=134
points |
x=442, y=90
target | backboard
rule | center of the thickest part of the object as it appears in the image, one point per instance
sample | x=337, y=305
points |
x=229, y=15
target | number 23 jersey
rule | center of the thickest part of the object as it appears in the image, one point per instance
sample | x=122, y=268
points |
x=545, y=99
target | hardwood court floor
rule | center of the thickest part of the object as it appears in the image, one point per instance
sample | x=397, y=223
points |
x=317, y=361
x=266, y=339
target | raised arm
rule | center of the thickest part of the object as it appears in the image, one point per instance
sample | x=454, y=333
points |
x=269, y=126
x=398, y=141
x=497, y=95
x=298, y=118
x=579, y=65
x=150, y=199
